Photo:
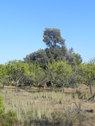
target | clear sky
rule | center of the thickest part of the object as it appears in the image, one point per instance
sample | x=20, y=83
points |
x=22, y=23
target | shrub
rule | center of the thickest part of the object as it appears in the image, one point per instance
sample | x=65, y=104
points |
x=2, y=108
x=61, y=119
x=9, y=118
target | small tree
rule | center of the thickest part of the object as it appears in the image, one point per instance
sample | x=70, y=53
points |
x=87, y=74
x=59, y=73
x=17, y=76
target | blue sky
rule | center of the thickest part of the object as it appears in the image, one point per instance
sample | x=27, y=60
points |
x=22, y=23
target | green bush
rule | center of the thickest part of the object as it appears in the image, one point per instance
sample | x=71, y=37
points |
x=9, y=119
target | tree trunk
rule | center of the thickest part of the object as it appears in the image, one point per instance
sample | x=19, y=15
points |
x=92, y=97
x=3, y=85
x=45, y=85
x=52, y=86
x=90, y=88
x=63, y=88
x=17, y=86
x=30, y=86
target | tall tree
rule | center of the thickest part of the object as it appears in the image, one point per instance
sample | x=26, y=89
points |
x=52, y=37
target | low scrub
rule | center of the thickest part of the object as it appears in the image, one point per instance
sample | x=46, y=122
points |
x=9, y=118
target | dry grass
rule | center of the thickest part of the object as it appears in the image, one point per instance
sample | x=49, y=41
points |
x=44, y=103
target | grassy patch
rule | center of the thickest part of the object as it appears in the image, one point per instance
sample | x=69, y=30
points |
x=48, y=107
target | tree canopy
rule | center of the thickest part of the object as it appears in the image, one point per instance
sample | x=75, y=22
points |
x=52, y=37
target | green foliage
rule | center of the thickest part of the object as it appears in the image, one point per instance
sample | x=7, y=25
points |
x=3, y=74
x=52, y=37
x=38, y=73
x=9, y=118
x=56, y=64
x=56, y=50
x=59, y=72
x=92, y=61
x=78, y=59
x=86, y=73
x=2, y=108
x=39, y=57
x=42, y=57
x=57, y=53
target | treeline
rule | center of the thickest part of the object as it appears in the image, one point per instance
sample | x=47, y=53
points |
x=58, y=72
x=55, y=65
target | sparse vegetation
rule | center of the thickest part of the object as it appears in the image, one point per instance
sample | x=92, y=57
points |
x=7, y=118
x=49, y=108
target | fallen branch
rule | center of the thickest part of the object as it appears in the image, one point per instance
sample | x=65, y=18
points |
x=91, y=98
